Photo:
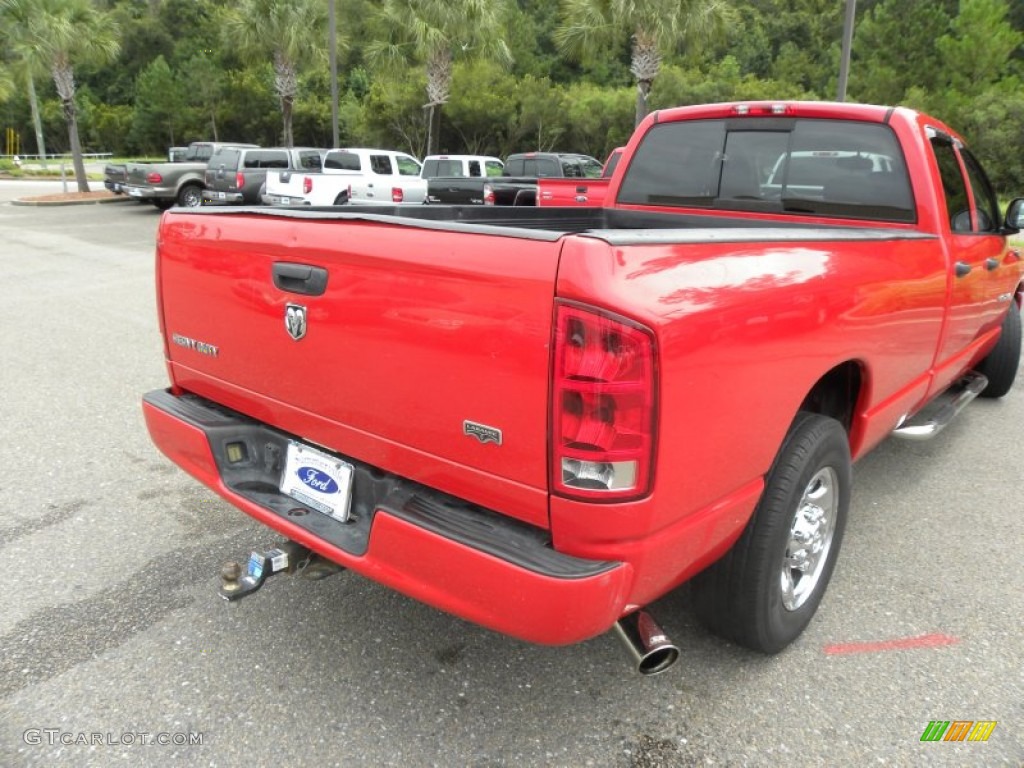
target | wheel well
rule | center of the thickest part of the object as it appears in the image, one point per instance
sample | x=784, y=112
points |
x=836, y=394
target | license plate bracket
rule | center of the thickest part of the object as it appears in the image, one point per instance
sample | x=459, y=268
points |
x=318, y=480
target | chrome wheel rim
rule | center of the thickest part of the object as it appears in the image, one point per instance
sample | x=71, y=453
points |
x=810, y=538
x=193, y=198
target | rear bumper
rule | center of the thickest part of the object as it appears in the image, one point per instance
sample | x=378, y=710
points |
x=211, y=197
x=148, y=193
x=283, y=200
x=463, y=559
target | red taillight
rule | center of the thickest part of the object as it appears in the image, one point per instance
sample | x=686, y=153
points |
x=397, y=195
x=239, y=180
x=603, y=405
x=488, y=194
x=154, y=178
x=307, y=184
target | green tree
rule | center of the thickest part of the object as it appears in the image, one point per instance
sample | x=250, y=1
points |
x=894, y=50
x=393, y=115
x=205, y=94
x=655, y=28
x=159, y=103
x=60, y=34
x=435, y=33
x=26, y=67
x=288, y=33
x=978, y=48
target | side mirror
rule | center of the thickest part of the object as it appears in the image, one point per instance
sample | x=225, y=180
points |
x=1014, y=221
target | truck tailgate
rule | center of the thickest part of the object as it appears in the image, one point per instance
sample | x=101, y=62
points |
x=432, y=364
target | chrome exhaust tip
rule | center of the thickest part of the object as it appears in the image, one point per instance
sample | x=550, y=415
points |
x=648, y=645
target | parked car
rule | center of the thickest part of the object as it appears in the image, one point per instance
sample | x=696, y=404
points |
x=164, y=184
x=351, y=175
x=543, y=420
x=578, y=192
x=238, y=175
x=517, y=184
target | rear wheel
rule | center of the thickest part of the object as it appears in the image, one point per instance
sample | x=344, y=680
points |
x=190, y=196
x=764, y=591
x=163, y=205
x=341, y=199
x=1000, y=366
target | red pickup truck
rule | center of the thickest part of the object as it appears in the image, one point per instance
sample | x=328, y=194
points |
x=542, y=420
x=571, y=193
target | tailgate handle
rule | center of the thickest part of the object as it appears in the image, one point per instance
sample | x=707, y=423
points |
x=300, y=278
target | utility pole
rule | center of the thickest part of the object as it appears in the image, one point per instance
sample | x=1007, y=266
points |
x=332, y=44
x=844, y=62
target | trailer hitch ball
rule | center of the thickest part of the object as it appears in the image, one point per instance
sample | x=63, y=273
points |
x=230, y=573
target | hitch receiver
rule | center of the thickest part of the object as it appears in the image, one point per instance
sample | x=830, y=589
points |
x=287, y=557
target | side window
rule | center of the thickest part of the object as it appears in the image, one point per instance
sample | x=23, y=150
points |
x=274, y=160
x=592, y=168
x=310, y=161
x=493, y=167
x=987, y=208
x=571, y=169
x=953, y=185
x=407, y=166
x=342, y=161
x=380, y=164
x=546, y=167
x=474, y=168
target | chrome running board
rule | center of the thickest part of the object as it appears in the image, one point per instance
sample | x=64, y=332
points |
x=937, y=414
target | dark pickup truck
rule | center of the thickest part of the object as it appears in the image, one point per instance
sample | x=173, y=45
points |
x=518, y=183
x=182, y=182
x=238, y=175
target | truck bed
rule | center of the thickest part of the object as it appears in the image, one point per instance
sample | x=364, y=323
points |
x=618, y=226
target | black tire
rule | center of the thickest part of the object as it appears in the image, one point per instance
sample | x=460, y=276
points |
x=341, y=199
x=190, y=196
x=163, y=205
x=741, y=597
x=1000, y=365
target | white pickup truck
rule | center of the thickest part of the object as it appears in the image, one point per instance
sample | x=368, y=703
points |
x=351, y=175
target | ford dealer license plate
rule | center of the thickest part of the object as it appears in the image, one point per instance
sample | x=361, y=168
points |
x=318, y=480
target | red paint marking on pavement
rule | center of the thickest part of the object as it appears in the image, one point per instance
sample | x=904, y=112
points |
x=899, y=644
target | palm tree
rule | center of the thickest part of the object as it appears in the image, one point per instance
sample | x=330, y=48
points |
x=435, y=32
x=290, y=33
x=57, y=35
x=655, y=28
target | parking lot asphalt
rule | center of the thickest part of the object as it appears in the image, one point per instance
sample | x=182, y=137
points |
x=112, y=633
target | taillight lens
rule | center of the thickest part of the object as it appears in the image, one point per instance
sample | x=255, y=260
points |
x=488, y=194
x=154, y=178
x=604, y=404
x=307, y=184
x=397, y=195
x=239, y=180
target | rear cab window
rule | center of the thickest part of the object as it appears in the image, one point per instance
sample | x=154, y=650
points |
x=817, y=167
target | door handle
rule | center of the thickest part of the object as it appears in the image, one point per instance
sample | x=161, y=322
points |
x=991, y=264
x=300, y=278
x=962, y=268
